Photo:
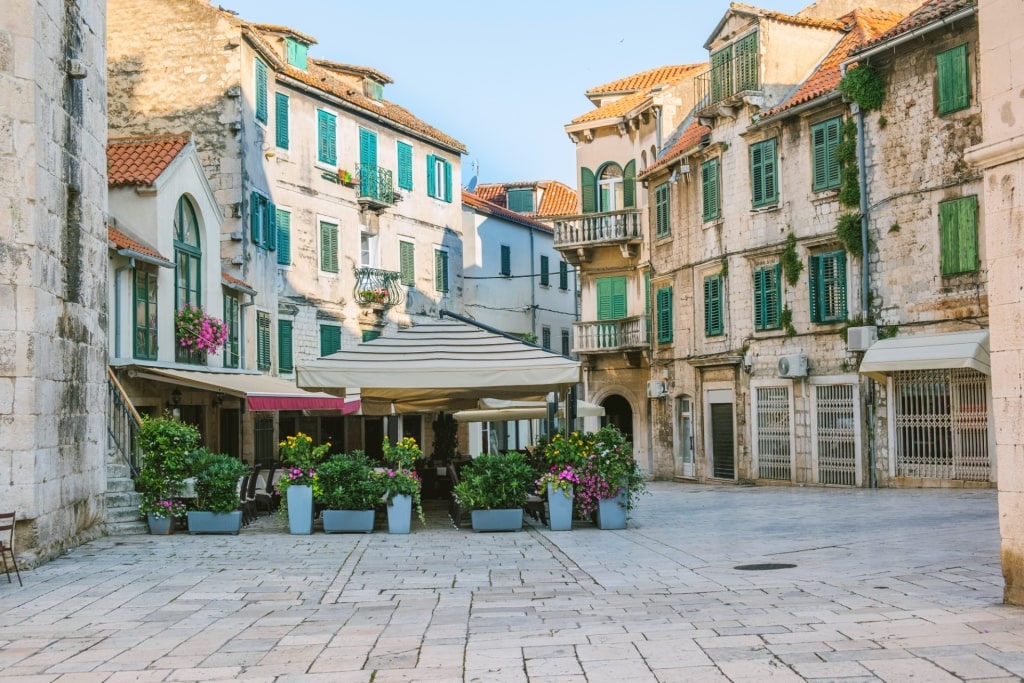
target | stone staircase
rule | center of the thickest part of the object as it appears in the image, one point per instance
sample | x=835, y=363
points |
x=122, y=500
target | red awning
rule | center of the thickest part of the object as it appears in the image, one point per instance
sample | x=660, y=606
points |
x=301, y=403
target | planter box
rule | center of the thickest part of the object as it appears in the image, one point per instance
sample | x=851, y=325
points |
x=400, y=514
x=559, y=510
x=611, y=512
x=160, y=526
x=214, y=522
x=497, y=520
x=300, y=509
x=348, y=521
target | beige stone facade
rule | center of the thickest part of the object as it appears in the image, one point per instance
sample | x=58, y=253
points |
x=52, y=279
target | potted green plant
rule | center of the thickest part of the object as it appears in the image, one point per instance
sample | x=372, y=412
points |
x=558, y=484
x=345, y=485
x=295, y=486
x=217, y=499
x=494, y=488
x=165, y=444
x=401, y=485
x=614, y=477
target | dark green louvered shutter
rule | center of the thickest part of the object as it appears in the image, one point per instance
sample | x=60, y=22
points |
x=824, y=141
x=629, y=185
x=563, y=275
x=813, y=283
x=958, y=235
x=762, y=173
x=261, y=91
x=329, y=247
x=447, y=182
x=368, y=185
x=270, y=226
x=330, y=339
x=262, y=341
x=747, y=76
x=662, y=216
x=721, y=74
x=404, y=166
x=664, y=302
x=284, y=346
x=297, y=53
x=713, y=324
x=545, y=276
x=441, y=270
x=326, y=137
x=281, y=119
x=407, y=263
x=709, y=189
x=611, y=298
x=588, y=190
x=506, y=260
x=370, y=335
x=827, y=274
x=953, y=79
x=256, y=217
x=767, y=298
x=284, y=238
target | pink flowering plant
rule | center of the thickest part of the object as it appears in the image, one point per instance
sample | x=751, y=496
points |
x=601, y=464
x=564, y=479
x=402, y=482
x=197, y=331
x=170, y=507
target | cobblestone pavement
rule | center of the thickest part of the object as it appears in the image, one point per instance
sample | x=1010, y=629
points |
x=888, y=585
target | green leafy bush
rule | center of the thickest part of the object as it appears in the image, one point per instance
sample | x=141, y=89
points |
x=495, y=482
x=165, y=444
x=346, y=481
x=216, y=476
x=865, y=86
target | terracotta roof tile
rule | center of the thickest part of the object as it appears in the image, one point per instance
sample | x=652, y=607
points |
x=275, y=28
x=489, y=207
x=931, y=11
x=787, y=18
x=635, y=89
x=141, y=160
x=865, y=25
x=354, y=70
x=558, y=199
x=613, y=109
x=122, y=241
x=691, y=137
x=231, y=279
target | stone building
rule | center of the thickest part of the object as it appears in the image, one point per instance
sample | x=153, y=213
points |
x=52, y=281
x=759, y=273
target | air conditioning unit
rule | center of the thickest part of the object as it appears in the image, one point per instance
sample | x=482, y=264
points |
x=656, y=389
x=794, y=365
x=861, y=338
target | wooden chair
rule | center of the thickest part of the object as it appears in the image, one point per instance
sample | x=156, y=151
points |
x=7, y=544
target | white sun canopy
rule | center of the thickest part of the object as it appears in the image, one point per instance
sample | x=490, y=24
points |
x=440, y=365
x=928, y=352
x=496, y=410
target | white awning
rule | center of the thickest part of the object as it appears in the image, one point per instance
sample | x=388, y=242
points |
x=927, y=352
x=496, y=410
x=261, y=392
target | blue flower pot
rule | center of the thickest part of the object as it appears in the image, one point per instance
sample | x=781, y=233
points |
x=497, y=520
x=559, y=509
x=205, y=522
x=400, y=514
x=348, y=521
x=611, y=512
x=300, y=509
x=160, y=526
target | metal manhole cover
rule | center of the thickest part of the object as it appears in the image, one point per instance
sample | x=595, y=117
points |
x=764, y=566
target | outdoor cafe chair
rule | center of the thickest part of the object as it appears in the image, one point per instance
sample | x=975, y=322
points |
x=7, y=544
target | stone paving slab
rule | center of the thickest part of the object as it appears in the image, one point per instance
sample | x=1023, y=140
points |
x=888, y=585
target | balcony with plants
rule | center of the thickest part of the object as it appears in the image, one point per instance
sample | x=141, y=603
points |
x=375, y=186
x=576, y=236
x=376, y=288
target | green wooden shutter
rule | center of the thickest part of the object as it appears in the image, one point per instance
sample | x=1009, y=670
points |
x=721, y=74
x=270, y=221
x=709, y=189
x=506, y=260
x=647, y=292
x=759, y=299
x=404, y=166
x=662, y=215
x=545, y=277
x=813, y=284
x=261, y=91
x=262, y=341
x=281, y=120
x=431, y=176
x=832, y=276
x=326, y=137
x=329, y=247
x=611, y=298
x=588, y=190
x=369, y=185
x=297, y=53
x=370, y=335
x=256, y=217
x=664, y=301
x=825, y=140
x=629, y=185
x=284, y=346
x=713, y=324
x=563, y=275
x=407, y=263
x=330, y=339
x=958, y=235
x=767, y=298
x=747, y=77
x=447, y=182
x=953, y=79
x=284, y=238
x=763, y=178
x=441, y=270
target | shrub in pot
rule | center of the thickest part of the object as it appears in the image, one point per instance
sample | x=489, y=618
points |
x=217, y=501
x=165, y=444
x=495, y=483
x=346, y=483
x=611, y=478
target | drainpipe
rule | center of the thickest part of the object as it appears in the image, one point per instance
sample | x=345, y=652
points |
x=117, y=305
x=864, y=282
x=533, y=290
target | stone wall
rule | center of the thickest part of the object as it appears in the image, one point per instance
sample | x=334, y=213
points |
x=52, y=275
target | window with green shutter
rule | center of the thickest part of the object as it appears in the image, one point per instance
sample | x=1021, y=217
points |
x=763, y=173
x=827, y=283
x=281, y=119
x=233, y=321
x=297, y=53
x=958, y=235
x=745, y=51
x=439, y=178
x=953, y=79
x=326, y=139
x=369, y=184
x=263, y=221
x=629, y=184
x=767, y=298
x=404, y=166
x=611, y=298
x=714, y=318
x=824, y=141
x=441, y=270
x=721, y=74
x=545, y=276
x=710, y=196
x=284, y=237
x=545, y=337
x=285, y=361
x=588, y=190
x=407, y=263
x=328, y=247
x=261, y=91
x=566, y=343
x=563, y=275
x=330, y=339
x=144, y=314
x=520, y=200
x=506, y=260
x=262, y=340
x=664, y=303
x=663, y=227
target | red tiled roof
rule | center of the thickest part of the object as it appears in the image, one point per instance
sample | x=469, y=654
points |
x=558, y=199
x=931, y=11
x=476, y=202
x=141, y=160
x=231, y=279
x=354, y=70
x=865, y=25
x=635, y=89
x=123, y=241
x=786, y=18
x=276, y=28
x=690, y=138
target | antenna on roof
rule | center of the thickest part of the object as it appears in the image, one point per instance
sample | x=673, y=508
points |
x=473, y=181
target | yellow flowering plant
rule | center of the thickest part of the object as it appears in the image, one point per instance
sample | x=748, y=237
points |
x=300, y=459
x=572, y=450
x=403, y=455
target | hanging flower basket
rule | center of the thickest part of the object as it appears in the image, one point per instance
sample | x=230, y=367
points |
x=197, y=331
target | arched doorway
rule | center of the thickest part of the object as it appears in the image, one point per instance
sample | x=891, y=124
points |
x=618, y=412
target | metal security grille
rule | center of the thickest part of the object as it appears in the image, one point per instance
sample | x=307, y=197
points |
x=774, y=434
x=836, y=434
x=942, y=429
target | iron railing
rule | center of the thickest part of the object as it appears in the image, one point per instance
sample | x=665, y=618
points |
x=726, y=78
x=591, y=229
x=123, y=424
x=611, y=335
x=378, y=287
x=375, y=184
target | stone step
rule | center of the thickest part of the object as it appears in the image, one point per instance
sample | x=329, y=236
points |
x=127, y=528
x=123, y=499
x=120, y=485
x=123, y=514
x=118, y=471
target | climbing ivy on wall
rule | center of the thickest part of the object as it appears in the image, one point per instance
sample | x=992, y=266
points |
x=865, y=86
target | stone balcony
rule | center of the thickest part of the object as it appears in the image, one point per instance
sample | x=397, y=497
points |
x=577, y=236
x=610, y=336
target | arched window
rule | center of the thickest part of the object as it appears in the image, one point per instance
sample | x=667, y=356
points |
x=188, y=256
x=609, y=188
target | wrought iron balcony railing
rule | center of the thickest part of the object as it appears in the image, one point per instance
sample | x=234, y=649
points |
x=376, y=187
x=595, y=229
x=611, y=335
x=728, y=81
x=375, y=287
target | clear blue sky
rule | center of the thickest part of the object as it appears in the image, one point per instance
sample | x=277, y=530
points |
x=503, y=78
